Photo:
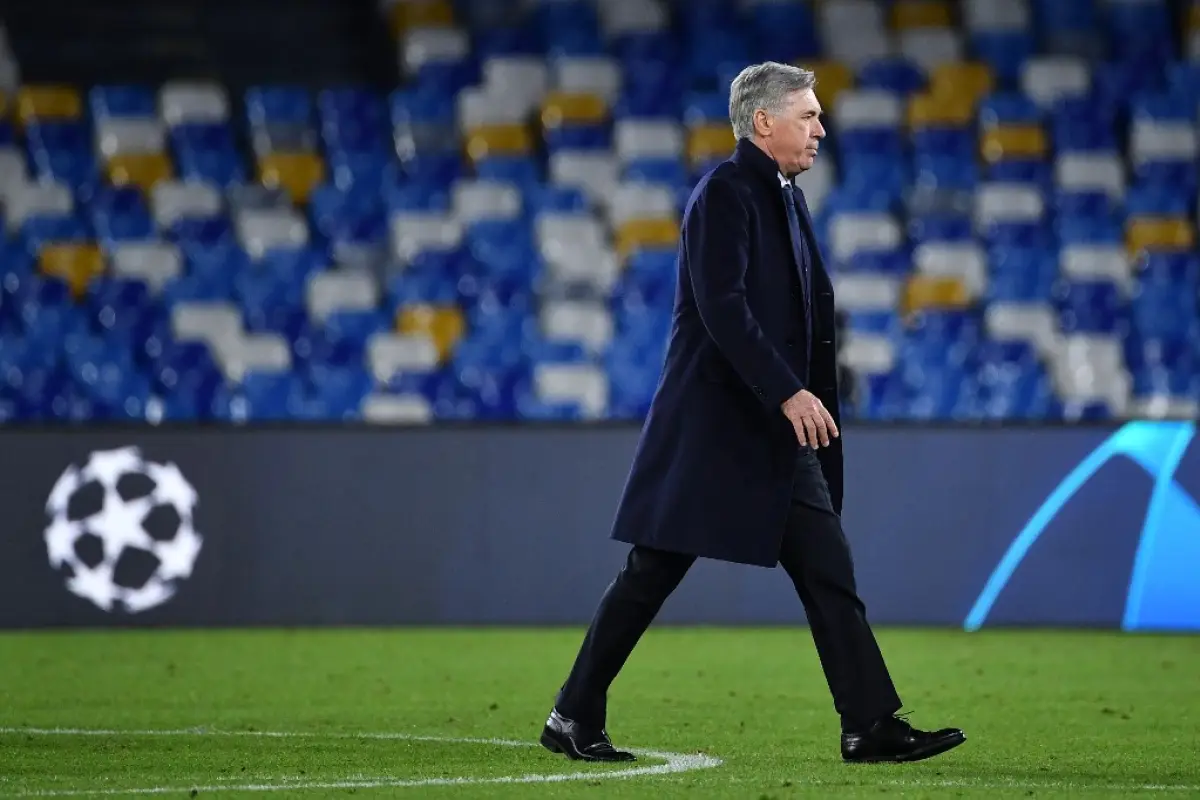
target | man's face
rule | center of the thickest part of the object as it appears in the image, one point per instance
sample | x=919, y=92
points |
x=793, y=136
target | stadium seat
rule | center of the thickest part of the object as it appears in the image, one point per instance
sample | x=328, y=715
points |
x=932, y=47
x=153, y=263
x=444, y=326
x=185, y=102
x=637, y=234
x=581, y=386
x=832, y=77
x=25, y=201
x=340, y=290
x=967, y=80
x=929, y=110
x=391, y=353
x=391, y=409
x=298, y=174
x=499, y=139
x=75, y=264
x=708, y=142
x=934, y=292
x=962, y=261
x=406, y=16
x=907, y=14
x=1006, y=204
x=143, y=170
x=1014, y=142
x=1149, y=234
x=44, y=103
x=1048, y=79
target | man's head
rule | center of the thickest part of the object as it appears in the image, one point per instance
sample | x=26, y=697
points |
x=774, y=106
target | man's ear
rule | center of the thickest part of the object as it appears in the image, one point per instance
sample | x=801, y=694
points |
x=762, y=122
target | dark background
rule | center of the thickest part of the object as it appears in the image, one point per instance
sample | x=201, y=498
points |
x=461, y=526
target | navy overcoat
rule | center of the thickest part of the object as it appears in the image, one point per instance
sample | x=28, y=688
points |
x=712, y=473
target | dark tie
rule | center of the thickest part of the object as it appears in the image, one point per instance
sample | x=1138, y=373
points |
x=803, y=265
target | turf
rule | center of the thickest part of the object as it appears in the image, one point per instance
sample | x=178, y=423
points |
x=1046, y=713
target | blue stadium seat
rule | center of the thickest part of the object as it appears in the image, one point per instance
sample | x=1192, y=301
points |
x=1137, y=29
x=1090, y=307
x=1059, y=16
x=272, y=395
x=894, y=74
x=120, y=214
x=207, y=152
x=122, y=101
x=35, y=232
x=950, y=172
x=1004, y=51
x=1020, y=170
x=1009, y=108
x=784, y=31
x=941, y=228
x=64, y=152
x=986, y=303
x=288, y=105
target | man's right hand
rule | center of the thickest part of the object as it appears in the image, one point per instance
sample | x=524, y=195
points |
x=813, y=423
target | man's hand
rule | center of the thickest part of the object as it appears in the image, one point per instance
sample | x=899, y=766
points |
x=812, y=421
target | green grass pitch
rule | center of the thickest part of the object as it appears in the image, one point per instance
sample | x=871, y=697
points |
x=740, y=713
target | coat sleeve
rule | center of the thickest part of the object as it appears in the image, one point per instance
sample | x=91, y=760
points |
x=717, y=242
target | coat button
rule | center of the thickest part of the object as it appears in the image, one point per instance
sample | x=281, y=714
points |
x=791, y=342
x=758, y=391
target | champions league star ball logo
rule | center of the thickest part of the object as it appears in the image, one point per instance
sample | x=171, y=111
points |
x=121, y=530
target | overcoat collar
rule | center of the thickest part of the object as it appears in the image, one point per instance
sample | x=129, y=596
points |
x=751, y=156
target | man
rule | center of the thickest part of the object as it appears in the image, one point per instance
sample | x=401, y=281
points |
x=740, y=455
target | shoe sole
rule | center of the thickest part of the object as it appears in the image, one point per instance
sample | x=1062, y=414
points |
x=554, y=747
x=935, y=749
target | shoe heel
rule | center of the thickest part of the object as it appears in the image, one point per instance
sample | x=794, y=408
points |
x=550, y=744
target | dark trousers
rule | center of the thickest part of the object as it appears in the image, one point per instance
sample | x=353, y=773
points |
x=816, y=557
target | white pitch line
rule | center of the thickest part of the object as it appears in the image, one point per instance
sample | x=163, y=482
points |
x=673, y=763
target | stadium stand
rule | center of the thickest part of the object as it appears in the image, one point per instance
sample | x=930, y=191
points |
x=1008, y=204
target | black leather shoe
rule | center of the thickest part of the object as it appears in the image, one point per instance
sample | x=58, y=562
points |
x=578, y=742
x=892, y=739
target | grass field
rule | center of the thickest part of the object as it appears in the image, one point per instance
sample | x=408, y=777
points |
x=740, y=713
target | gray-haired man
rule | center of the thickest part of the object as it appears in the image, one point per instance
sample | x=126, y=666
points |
x=740, y=458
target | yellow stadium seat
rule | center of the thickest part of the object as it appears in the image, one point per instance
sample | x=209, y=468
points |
x=1013, y=141
x=833, y=78
x=1159, y=233
x=563, y=108
x=928, y=110
x=968, y=79
x=405, y=15
x=909, y=14
x=1192, y=21
x=140, y=169
x=48, y=102
x=76, y=264
x=445, y=325
x=491, y=140
x=296, y=173
x=637, y=234
x=710, y=141
x=934, y=291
